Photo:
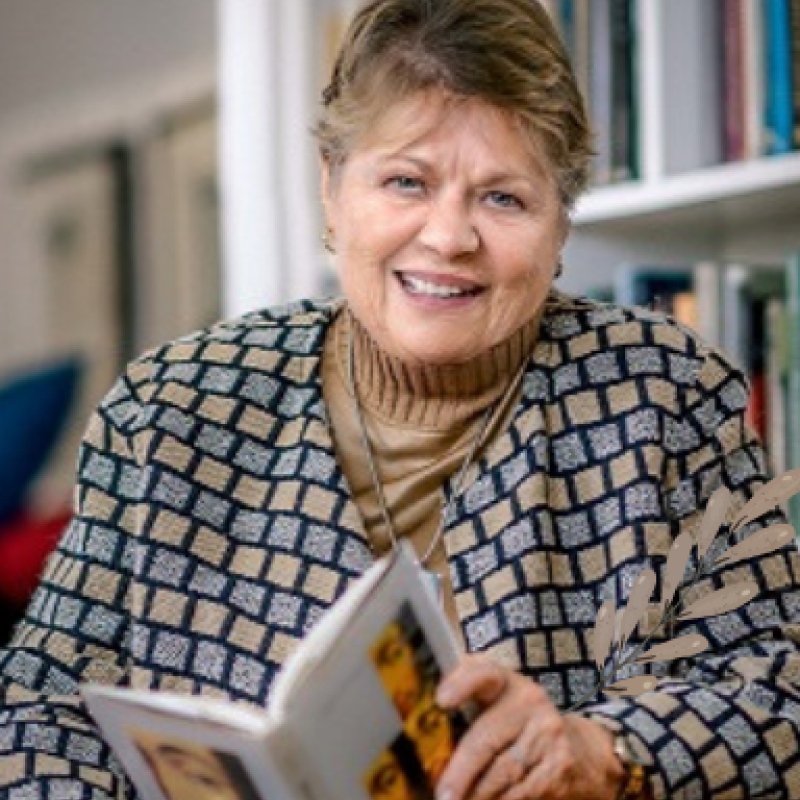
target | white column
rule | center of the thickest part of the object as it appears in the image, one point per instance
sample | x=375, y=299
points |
x=300, y=180
x=268, y=221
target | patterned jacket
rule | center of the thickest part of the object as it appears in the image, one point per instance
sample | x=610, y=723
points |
x=213, y=527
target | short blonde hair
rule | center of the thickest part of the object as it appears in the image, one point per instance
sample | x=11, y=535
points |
x=504, y=52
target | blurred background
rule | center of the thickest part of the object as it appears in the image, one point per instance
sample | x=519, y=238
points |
x=157, y=174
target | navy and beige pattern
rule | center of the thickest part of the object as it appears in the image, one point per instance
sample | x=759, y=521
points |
x=214, y=527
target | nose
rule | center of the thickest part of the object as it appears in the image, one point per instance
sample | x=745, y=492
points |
x=449, y=229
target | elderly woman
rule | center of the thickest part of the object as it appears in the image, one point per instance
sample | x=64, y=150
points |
x=538, y=450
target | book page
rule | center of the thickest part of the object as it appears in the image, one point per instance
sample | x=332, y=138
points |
x=365, y=715
x=177, y=747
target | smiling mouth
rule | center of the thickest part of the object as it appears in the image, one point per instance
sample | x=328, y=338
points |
x=440, y=288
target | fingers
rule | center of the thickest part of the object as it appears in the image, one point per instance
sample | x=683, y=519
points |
x=475, y=678
x=505, y=772
x=494, y=752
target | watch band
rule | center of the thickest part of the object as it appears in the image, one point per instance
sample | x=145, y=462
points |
x=634, y=778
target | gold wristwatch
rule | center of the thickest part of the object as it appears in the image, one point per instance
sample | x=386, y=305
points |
x=634, y=782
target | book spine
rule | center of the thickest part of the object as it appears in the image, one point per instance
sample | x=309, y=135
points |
x=757, y=410
x=776, y=371
x=691, y=105
x=622, y=95
x=778, y=111
x=794, y=39
x=792, y=323
x=733, y=82
x=582, y=22
x=753, y=66
x=565, y=14
x=601, y=80
x=706, y=280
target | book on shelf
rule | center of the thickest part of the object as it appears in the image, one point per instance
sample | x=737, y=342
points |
x=660, y=288
x=746, y=291
x=692, y=102
x=753, y=68
x=674, y=86
x=778, y=111
x=792, y=328
x=752, y=313
x=351, y=713
x=794, y=40
x=733, y=79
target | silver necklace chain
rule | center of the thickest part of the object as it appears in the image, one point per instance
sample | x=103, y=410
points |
x=378, y=486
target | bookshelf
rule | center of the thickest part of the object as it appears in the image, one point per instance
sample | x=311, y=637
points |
x=754, y=189
x=715, y=178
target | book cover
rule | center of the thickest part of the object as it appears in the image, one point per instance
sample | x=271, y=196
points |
x=352, y=710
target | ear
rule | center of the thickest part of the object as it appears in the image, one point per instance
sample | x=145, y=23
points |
x=325, y=181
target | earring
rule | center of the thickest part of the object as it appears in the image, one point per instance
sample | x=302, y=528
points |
x=327, y=239
x=559, y=269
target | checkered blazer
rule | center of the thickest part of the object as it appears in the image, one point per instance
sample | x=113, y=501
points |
x=213, y=527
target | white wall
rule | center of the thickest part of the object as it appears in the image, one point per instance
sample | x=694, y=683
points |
x=76, y=70
x=52, y=52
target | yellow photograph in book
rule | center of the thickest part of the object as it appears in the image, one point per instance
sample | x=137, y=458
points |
x=393, y=657
x=397, y=774
x=187, y=771
x=433, y=734
x=408, y=671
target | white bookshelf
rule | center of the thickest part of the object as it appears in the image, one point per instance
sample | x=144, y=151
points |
x=756, y=188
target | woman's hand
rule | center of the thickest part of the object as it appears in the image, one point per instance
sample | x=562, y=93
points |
x=520, y=747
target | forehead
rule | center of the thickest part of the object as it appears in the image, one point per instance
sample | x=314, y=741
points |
x=421, y=119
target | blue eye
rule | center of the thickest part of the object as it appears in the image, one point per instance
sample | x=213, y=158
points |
x=404, y=183
x=506, y=200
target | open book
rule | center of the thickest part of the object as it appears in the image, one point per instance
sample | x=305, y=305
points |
x=352, y=715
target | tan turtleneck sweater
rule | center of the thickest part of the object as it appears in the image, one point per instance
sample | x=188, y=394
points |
x=421, y=423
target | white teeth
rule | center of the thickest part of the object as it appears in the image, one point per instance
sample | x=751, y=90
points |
x=419, y=286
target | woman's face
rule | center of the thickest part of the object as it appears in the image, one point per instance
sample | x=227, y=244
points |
x=447, y=231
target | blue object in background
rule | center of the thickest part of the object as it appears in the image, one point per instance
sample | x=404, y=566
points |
x=779, y=109
x=33, y=409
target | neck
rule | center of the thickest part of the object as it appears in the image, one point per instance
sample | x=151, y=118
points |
x=431, y=396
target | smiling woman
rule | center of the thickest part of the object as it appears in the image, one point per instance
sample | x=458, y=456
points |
x=538, y=450
x=447, y=235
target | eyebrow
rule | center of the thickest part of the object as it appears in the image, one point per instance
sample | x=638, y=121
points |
x=490, y=177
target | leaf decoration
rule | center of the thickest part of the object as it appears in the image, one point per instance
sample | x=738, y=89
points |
x=637, y=604
x=760, y=543
x=604, y=632
x=676, y=565
x=713, y=517
x=689, y=645
x=769, y=496
x=722, y=601
x=630, y=687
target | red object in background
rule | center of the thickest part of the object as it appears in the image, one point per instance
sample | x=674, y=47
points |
x=756, y=413
x=25, y=542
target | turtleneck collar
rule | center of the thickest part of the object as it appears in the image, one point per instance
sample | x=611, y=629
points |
x=434, y=396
